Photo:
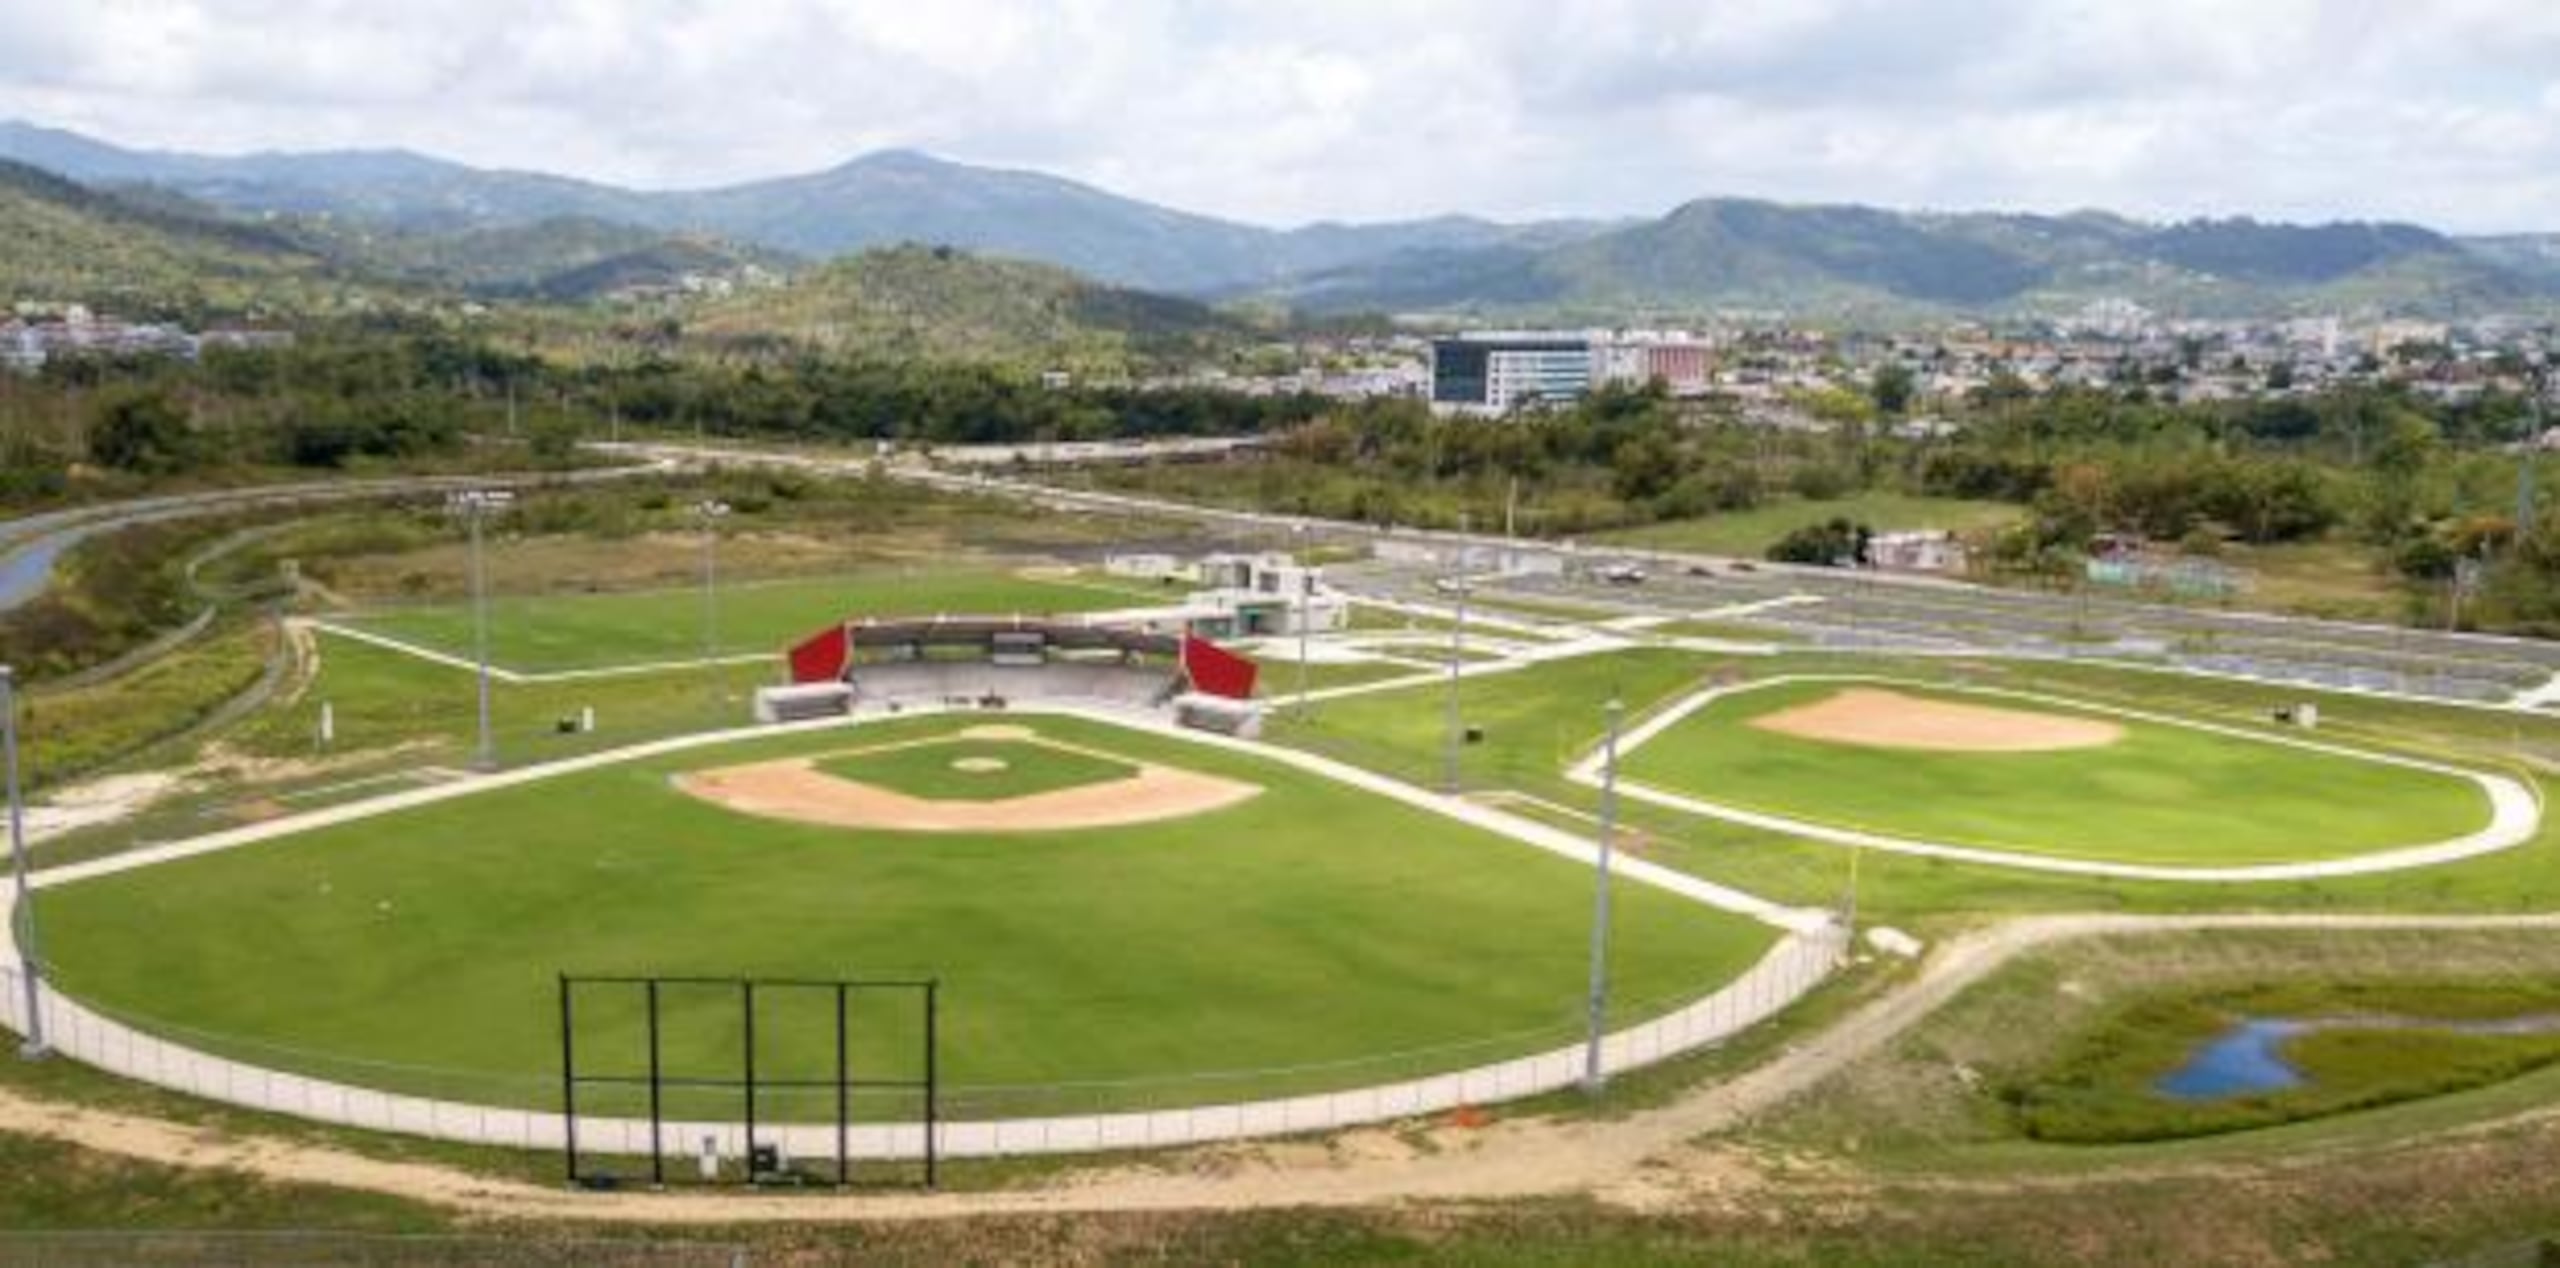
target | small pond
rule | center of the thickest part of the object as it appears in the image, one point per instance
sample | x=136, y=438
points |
x=2248, y=1059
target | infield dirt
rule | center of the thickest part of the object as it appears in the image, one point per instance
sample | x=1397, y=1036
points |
x=1880, y=718
x=794, y=789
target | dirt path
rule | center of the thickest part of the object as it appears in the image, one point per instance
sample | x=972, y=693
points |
x=1647, y=1160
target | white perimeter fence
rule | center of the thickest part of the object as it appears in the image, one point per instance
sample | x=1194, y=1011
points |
x=1797, y=963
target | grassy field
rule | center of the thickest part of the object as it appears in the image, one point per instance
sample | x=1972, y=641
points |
x=1534, y=722
x=544, y=634
x=1347, y=938
x=2338, y=579
x=1749, y=534
x=70, y=732
x=389, y=699
x=937, y=771
x=2159, y=794
x=2048, y=1035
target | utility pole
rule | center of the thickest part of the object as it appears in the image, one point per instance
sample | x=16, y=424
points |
x=1593, y=1076
x=1457, y=653
x=30, y=959
x=712, y=512
x=1306, y=591
x=474, y=506
x=2526, y=492
x=1849, y=910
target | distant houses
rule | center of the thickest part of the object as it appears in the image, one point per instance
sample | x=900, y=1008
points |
x=32, y=338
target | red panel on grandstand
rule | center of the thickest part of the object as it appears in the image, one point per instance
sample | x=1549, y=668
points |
x=822, y=657
x=1216, y=671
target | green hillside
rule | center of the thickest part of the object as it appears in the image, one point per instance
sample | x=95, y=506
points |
x=61, y=243
x=1866, y=262
x=564, y=258
x=938, y=303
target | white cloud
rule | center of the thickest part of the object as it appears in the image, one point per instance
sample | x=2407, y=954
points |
x=2447, y=112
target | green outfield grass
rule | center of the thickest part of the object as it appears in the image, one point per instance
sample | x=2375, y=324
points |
x=1532, y=722
x=2161, y=794
x=1538, y=720
x=934, y=770
x=540, y=634
x=1314, y=928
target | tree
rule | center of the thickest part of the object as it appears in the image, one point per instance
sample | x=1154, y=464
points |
x=553, y=439
x=1834, y=543
x=1646, y=467
x=1892, y=387
x=143, y=432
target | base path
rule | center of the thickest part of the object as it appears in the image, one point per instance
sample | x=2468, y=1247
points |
x=1630, y=1160
x=2515, y=809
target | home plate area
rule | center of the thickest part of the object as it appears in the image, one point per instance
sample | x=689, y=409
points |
x=1006, y=778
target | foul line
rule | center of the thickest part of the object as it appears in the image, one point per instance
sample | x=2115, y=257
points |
x=515, y=677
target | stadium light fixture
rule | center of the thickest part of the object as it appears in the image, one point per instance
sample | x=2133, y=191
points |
x=1594, y=1077
x=30, y=961
x=1457, y=657
x=1306, y=590
x=711, y=511
x=475, y=506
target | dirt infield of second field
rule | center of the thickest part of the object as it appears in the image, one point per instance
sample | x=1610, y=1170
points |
x=1881, y=718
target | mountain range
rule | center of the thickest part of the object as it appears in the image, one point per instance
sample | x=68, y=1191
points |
x=430, y=221
x=880, y=199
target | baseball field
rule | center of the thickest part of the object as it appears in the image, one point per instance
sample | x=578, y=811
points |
x=2046, y=776
x=1288, y=933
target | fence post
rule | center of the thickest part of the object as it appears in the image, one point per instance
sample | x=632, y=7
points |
x=568, y=1081
x=844, y=1110
x=932, y=1083
x=657, y=1111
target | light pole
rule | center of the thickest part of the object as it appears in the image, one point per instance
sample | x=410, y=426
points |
x=474, y=505
x=1457, y=653
x=1593, y=1076
x=1306, y=591
x=30, y=962
x=712, y=512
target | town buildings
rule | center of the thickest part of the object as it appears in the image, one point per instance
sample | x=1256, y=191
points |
x=1494, y=371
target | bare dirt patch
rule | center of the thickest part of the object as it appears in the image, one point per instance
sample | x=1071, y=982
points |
x=1881, y=718
x=794, y=789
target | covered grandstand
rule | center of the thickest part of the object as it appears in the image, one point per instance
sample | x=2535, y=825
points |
x=993, y=662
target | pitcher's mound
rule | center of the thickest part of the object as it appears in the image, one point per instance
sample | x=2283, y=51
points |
x=1880, y=718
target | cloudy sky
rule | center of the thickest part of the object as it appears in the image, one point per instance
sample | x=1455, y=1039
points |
x=1281, y=111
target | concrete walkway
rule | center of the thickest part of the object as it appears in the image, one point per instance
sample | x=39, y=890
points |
x=1810, y=946
x=2515, y=811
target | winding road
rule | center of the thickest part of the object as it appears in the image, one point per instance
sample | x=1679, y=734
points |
x=32, y=545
